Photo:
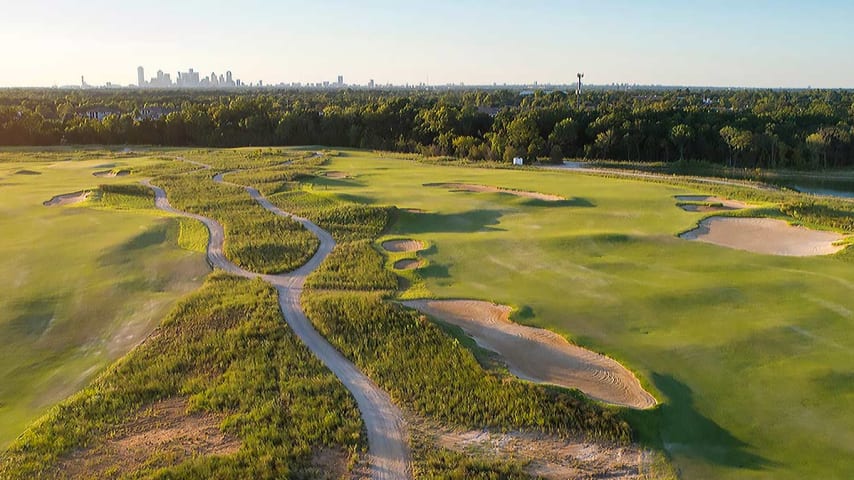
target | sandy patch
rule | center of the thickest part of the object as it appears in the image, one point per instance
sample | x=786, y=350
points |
x=467, y=187
x=330, y=464
x=540, y=355
x=403, y=245
x=27, y=172
x=716, y=204
x=765, y=235
x=412, y=210
x=162, y=429
x=112, y=173
x=552, y=457
x=336, y=175
x=407, y=264
x=67, y=199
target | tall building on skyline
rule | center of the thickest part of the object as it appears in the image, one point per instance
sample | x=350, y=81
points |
x=340, y=80
x=140, y=76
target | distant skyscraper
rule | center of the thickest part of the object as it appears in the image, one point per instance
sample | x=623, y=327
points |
x=340, y=80
x=188, y=79
x=371, y=83
x=228, y=80
x=214, y=79
x=140, y=76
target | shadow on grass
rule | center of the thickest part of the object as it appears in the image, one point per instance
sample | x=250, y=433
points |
x=321, y=182
x=576, y=202
x=120, y=254
x=677, y=427
x=32, y=318
x=466, y=222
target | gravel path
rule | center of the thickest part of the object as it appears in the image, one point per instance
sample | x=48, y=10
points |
x=388, y=446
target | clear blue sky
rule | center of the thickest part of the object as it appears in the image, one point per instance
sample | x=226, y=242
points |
x=759, y=43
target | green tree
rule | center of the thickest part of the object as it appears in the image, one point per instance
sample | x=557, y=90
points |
x=680, y=135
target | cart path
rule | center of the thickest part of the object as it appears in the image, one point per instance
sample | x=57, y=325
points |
x=388, y=445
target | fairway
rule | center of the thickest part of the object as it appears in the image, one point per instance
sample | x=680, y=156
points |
x=750, y=354
x=84, y=284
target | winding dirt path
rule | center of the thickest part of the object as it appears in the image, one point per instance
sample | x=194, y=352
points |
x=388, y=446
x=540, y=355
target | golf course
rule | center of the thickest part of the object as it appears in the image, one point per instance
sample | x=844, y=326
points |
x=750, y=355
x=86, y=282
x=674, y=321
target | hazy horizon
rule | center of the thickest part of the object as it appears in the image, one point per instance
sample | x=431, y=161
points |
x=760, y=44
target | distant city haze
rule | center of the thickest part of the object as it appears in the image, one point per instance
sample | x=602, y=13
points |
x=760, y=43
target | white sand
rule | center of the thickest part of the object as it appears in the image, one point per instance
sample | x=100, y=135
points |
x=540, y=355
x=67, y=199
x=765, y=235
x=403, y=245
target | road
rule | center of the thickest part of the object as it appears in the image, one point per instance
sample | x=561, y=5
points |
x=388, y=445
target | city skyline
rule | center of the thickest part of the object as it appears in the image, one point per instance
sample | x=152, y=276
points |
x=761, y=44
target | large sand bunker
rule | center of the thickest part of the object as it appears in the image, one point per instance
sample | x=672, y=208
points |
x=706, y=203
x=67, y=199
x=540, y=355
x=467, y=187
x=765, y=235
x=397, y=246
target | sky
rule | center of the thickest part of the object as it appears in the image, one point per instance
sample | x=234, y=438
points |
x=746, y=43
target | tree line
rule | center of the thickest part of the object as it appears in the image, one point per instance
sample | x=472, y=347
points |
x=804, y=129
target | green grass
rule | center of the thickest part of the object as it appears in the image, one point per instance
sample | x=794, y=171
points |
x=227, y=349
x=255, y=238
x=82, y=285
x=750, y=353
x=193, y=235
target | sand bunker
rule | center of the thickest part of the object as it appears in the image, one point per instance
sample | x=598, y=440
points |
x=765, y=235
x=403, y=246
x=551, y=457
x=336, y=175
x=407, y=264
x=715, y=204
x=67, y=199
x=112, y=173
x=467, y=187
x=540, y=355
x=163, y=430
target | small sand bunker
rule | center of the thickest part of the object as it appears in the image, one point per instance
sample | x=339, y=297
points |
x=407, y=264
x=706, y=203
x=336, y=175
x=163, y=430
x=551, y=457
x=403, y=245
x=27, y=172
x=112, y=173
x=540, y=355
x=467, y=187
x=67, y=199
x=765, y=235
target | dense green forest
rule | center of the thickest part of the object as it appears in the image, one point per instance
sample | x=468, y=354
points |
x=805, y=129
